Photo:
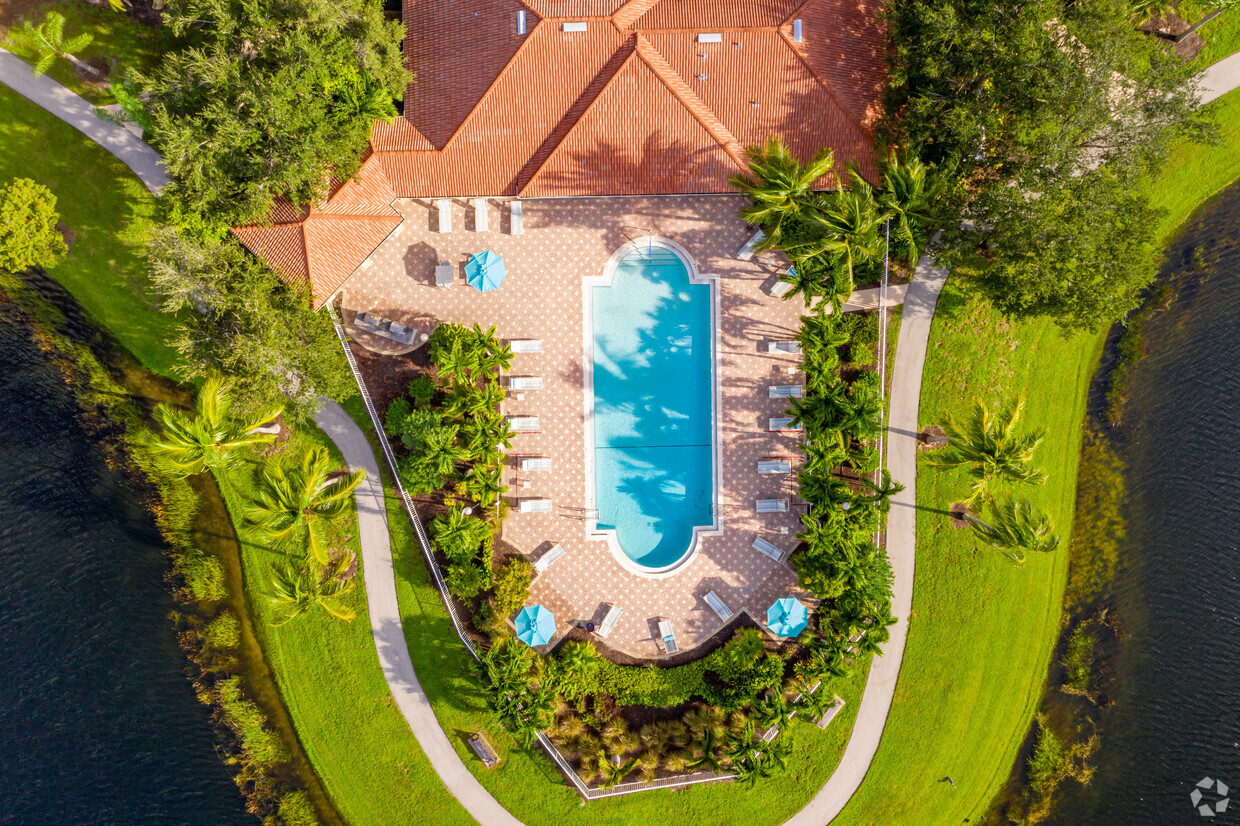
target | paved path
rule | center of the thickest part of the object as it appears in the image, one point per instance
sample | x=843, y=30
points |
x=1220, y=78
x=880, y=686
x=385, y=625
x=80, y=114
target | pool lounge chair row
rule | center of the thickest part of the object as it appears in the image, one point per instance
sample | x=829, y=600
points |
x=516, y=214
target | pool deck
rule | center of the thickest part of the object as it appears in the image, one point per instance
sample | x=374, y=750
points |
x=565, y=241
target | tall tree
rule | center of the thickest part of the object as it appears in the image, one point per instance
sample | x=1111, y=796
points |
x=28, y=234
x=779, y=185
x=297, y=497
x=208, y=437
x=989, y=448
x=1016, y=527
x=297, y=587
x=50, y=43
x=258, y=101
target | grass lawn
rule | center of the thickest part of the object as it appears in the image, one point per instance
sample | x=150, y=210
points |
x=108, y=209
x=982, y=630
x=1221, y=35
x=116, y=36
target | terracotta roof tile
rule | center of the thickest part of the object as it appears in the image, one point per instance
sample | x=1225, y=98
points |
x=575, y=9
x=281, y=246
x=713, y=15
x=844, y=44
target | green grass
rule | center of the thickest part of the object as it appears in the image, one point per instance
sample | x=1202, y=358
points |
x=329, y=677
x=109, y=210
x=116, y=36
x=1221, y=35
x=982, y=631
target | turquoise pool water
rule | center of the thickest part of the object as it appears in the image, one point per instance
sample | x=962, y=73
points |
x=653, y=462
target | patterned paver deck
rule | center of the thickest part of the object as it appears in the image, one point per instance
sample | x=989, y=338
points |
x=564, y=241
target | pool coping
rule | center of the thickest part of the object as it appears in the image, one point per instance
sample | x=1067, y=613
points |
x=608, y=535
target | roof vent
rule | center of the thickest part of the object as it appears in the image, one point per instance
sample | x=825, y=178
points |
x=796, y=31
x=702, y=76
x=576, y=26
x=521, y=21
x=754, y=104
x=715, y=37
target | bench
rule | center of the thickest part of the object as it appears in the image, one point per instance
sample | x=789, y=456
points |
x=531, y=463
x=717, y=605
x=484, y=751
x=609, y=621
x=767, y=549
x=829, y=714
x=544, y=561
x=784, y=391
x=774, y=467
x=525, y=345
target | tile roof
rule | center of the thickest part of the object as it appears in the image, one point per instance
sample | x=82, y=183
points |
x=492, y=111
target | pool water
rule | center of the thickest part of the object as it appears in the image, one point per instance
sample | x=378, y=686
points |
x=653, y=463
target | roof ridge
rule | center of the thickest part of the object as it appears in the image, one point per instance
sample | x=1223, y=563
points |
x=794, y=14
x=688, y=98
x=584, y=103
x=629, y=13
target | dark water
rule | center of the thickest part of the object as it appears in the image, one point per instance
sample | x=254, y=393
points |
x=1176, y=719
x=98, y=723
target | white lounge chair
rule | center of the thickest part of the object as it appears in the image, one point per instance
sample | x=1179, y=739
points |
x=516, y=216
x=751, y=245
x=523, y=424
x=609, y=621
x=781, y=423
x=780, y=289
x=480, y=215
x=531, y=463
x=669, y=636
x=717, y=605
x=535, y=506
x=791, y=348
x=544, y=561
x=525, y=383
x=525, y=345
x=443, y=274
x=767, y=549
x=784, y=391
x=445, y=214
x=771, y=506
x=774, y=467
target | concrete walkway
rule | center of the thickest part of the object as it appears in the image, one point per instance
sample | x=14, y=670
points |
x=919, y=304
x=385, y=624
x=1220, y=79
x=80, y=114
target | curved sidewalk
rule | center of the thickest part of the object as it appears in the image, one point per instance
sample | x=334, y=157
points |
x=80, y=114
x=385, y=625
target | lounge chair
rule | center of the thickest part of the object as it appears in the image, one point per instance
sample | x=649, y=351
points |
x=780, y=288
x=717, y=605
x=443, y=275
x=779, y=424
x=445, y=214
x=523, y=424
x=751, y=245
x=530, y=463
x=535, y=506
x=525, y=383
x=480, y=215
x=525, y=345
x=767, y=549
x=669, y=636
x=516, y=216
x=771, y=506
x=784, y=391
x=791, y=348
x=609, y=621
x=774, y=467
x=544, y=561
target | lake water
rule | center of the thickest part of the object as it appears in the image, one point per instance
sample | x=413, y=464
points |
x=1177, y=592
x=98, y=723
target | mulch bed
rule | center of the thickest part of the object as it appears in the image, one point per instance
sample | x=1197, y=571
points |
x=388, y=377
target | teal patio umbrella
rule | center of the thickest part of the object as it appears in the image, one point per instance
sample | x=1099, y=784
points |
x=535, y=626
x=485, y=271
x=787, y=617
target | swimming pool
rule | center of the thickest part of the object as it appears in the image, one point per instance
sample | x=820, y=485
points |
x=653, y=394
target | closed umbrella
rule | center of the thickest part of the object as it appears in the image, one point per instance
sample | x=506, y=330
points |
x=485, y=271
x=535, y=626
x=787, y=617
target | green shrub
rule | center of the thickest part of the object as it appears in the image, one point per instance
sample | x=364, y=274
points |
x=264, y=748
x=297, y=810
x=512, y=586
x=394, y=418
x=422, y=391
x=203, y=574
x=652, y=686
x=1078, y=658
x=223, y=633
x=468, y=580
x=1048, y=763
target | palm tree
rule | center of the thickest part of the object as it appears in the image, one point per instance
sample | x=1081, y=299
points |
x=579, y=661
x=806, y=282
x=988, y=447
x=881, y=491
x=300, y=496
x=911, y=190
x=208, y=437
x=295, y=590
x=848, y=222
x=772, y=709
x=704, y=750
x=455, y=533
x=1015, y=527
x=50, y=43
x=778, y=184
x=613, y=770
x=440, y=451
x=815, y=704
x=482, y=484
